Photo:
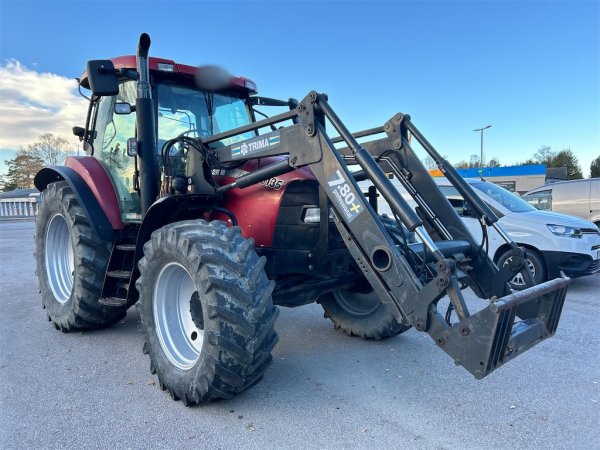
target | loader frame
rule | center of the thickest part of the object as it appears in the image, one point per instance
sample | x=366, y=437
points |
x=480, y=342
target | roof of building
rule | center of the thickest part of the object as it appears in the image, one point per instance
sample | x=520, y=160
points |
x=19, y=193
x=507, y=171
x=488, y=172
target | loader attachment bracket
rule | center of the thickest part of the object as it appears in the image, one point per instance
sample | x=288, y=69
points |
x=486, y=340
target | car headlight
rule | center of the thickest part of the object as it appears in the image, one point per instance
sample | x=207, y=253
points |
x=562, y=230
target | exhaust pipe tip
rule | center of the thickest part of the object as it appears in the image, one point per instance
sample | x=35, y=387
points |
x=144, y=45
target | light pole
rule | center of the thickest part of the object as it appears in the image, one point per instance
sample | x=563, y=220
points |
x=481, y=157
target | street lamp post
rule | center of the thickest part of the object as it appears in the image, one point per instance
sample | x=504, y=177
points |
x=481, y=156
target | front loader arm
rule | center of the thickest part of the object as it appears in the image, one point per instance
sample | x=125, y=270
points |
x=480, y=342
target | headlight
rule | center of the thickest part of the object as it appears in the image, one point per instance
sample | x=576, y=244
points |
x=313, y=215
x=562, y=230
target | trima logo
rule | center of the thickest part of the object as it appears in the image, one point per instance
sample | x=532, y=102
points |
x=345, y=196
x=253, y=146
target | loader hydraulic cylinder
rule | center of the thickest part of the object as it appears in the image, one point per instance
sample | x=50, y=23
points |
x=483, y=210
x=398, y=205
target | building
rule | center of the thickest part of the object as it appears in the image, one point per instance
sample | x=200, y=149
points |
x=19, y=203
x=519, y=179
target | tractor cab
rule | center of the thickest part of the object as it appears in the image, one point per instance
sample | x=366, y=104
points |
x=189, y=101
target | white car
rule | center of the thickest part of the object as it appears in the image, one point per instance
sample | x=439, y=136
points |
x=554, y=242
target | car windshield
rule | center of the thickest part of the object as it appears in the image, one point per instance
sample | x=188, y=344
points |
x=195, y=113
x=504, y=197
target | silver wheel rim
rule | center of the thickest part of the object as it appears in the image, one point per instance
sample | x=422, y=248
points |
x=518, y=279
x=60, y=262
x=181, y=335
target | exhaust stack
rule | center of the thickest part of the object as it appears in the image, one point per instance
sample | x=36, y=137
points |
x=145, y=127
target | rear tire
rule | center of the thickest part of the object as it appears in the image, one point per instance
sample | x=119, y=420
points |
x=361, y=314
x=536, y=264
x=206, y=310
x=71, y=263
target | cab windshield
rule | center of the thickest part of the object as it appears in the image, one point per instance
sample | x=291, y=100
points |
x=191, y=112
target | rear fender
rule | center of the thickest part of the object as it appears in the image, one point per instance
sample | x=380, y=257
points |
x=94, y=212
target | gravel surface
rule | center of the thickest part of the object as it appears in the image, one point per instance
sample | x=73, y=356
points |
x=324, y=389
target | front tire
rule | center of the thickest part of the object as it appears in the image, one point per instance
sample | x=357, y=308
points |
x=361, y=314
x=71, y=263
x=206, y=311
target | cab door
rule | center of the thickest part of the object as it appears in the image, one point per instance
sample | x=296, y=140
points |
x=112, y=131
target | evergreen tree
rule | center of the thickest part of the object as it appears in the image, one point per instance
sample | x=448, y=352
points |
x=566, y=158
x=595, y=168
x=22, y=169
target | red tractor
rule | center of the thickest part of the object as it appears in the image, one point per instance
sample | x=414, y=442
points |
x=206, y=217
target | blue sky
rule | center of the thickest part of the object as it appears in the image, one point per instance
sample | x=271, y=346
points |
x=531, y=69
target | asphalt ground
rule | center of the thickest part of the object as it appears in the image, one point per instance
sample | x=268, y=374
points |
x=324, y=389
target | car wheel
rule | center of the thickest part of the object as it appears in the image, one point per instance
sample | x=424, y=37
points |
x=535, y=263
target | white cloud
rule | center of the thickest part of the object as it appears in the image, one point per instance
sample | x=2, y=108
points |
x=33, y=103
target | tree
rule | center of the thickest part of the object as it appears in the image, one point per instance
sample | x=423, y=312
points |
x=429, y=163
x=494, y=162
x=528, y=162
x=545, y=155
x=595, y=168
x=5, y=185
x=51, y=149
x=566, y=158
x=22, y=169
x=473, y=162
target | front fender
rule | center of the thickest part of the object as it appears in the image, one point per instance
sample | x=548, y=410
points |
x=94, y=213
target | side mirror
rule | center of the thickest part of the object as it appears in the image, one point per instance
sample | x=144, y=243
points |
x=102, y=77
x=124, y=108
x=79, y=132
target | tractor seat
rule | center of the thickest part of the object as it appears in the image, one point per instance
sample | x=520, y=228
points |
x=447, y=248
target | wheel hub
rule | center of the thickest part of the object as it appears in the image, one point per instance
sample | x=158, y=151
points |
x=178, y=318
x=518, y=279
x=357, y=303
x=196, y=311
x=60, y=261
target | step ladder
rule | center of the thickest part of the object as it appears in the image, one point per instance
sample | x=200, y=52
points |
x=118, y=280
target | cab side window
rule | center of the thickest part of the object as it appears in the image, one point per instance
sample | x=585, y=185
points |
x=110, y=148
